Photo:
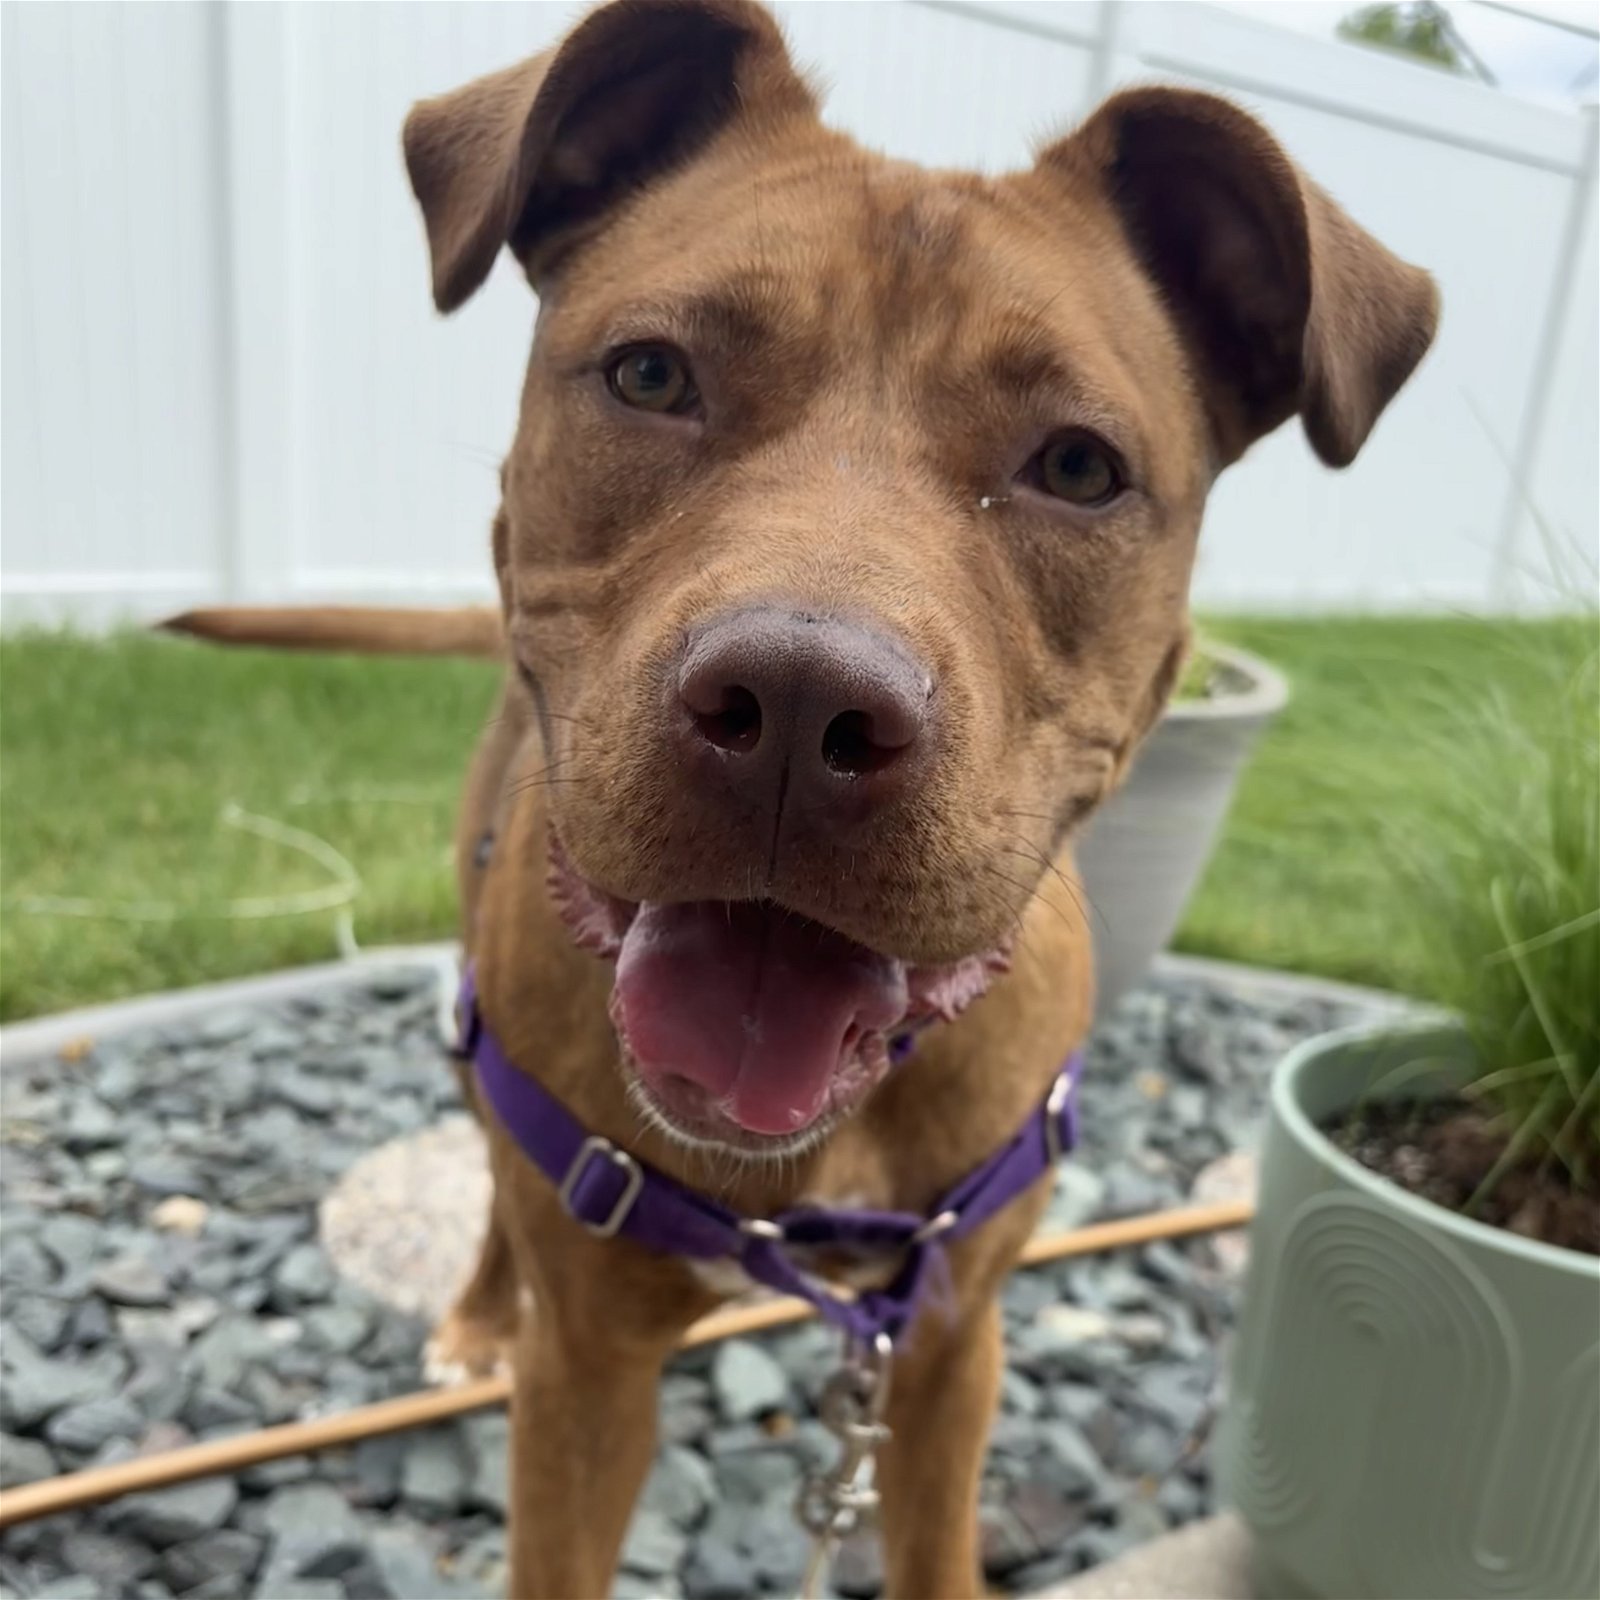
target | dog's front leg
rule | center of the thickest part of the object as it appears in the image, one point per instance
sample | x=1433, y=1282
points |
x=942, y=1396
x=583, y=1433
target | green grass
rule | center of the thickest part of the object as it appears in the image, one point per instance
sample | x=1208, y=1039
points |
x=1507, y=875
x=119, y=758
x=1311, y=873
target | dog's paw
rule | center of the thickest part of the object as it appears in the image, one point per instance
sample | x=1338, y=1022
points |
x=462, y=1350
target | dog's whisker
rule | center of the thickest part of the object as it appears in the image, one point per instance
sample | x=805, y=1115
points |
x=529, y=785
x=1081, y=897
x=1032, y=854
x=1036, y=893
x=549, y=773
x=549, y=782
x=493, y=459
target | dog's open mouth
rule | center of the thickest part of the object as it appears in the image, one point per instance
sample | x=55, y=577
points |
x=741, y=1018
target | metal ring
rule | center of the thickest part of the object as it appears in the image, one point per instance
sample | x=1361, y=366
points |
x=882, y=1355
x=761, y=1228
x=1060, y=1090
x=934, y=1226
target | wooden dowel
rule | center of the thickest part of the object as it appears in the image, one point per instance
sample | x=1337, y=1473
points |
x=1102, y=1236
x=95, y=1484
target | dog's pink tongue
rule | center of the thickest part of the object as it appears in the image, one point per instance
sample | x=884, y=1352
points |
x=761, y=1009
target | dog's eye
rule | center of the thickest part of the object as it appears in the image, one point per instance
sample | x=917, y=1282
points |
x=652, y=378
x=1078, y=468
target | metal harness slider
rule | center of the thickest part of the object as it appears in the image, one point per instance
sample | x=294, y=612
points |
x=632, y=1183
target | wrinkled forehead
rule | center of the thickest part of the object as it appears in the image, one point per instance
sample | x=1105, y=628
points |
x=884, y=275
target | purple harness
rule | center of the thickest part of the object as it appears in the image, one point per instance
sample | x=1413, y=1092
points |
x=613, y=1194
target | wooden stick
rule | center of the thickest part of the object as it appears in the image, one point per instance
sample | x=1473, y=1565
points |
x=95, y=1484
x=1100, y=1237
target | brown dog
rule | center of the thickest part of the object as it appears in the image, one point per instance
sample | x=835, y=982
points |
x=843, y=554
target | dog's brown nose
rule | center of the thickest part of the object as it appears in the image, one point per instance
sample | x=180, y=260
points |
x=843, y=710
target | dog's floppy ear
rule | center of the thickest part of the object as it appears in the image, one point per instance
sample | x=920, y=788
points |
x=1285, y=304
x=525, y=156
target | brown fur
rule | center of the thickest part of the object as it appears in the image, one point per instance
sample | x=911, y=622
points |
x=881, y=350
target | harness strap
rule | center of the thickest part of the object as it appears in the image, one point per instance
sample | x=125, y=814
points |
x=614, y=1194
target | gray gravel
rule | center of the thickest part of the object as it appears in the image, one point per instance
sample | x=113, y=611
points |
x=163, y=1282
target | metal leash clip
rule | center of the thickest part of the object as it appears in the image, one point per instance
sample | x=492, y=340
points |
x=834, y=1503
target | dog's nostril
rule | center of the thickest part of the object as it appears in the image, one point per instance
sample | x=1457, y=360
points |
x=850, y=749
x=736, y=725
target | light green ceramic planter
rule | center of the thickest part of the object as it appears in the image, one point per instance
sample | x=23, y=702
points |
x=1415, y=1408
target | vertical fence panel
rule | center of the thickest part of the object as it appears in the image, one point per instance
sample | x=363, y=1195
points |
x=223, y=377
x=1474, y=185
x=115, y=463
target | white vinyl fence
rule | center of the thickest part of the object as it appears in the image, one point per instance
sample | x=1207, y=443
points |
x=223, y=378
